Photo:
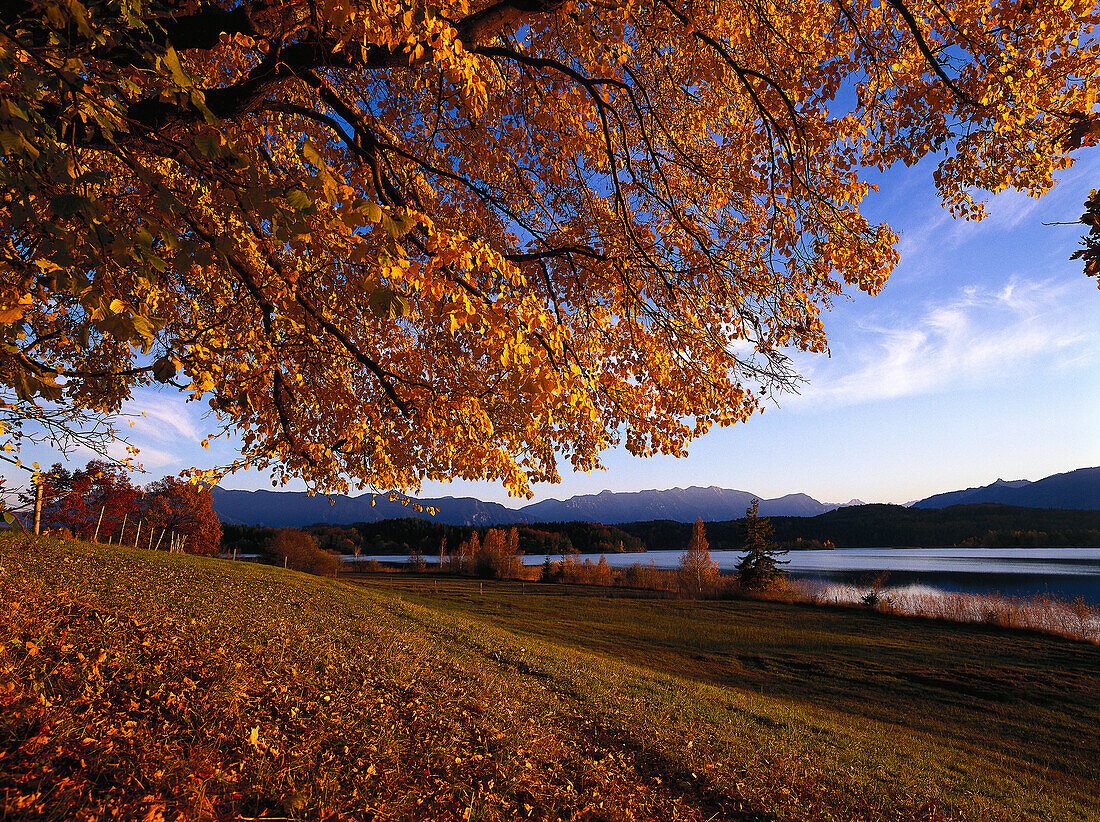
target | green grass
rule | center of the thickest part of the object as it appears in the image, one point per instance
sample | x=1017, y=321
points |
x=1031, y=700
x=141, y=684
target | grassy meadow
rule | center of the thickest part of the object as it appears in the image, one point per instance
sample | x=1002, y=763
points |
x=149, y=686
x=1031, y=698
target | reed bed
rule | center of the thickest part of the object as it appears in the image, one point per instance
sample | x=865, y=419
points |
x=1075, y=618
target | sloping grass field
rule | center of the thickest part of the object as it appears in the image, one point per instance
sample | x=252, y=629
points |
x=139, y=685
x=1031, y=698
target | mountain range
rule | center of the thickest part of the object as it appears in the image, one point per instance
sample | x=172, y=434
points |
x=1077, y=489
x=281, y=509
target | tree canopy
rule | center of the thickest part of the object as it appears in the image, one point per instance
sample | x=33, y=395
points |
x=396, y=241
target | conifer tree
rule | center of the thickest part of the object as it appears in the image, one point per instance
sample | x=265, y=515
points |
x=760, y=563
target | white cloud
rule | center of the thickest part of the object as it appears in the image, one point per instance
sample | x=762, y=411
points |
x=149, y=458
x=161, y=425
x=153, y=459
x=979, y=337
x=161, y=418
x=930, y=238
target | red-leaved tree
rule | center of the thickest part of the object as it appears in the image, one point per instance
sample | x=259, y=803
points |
x=100, y=489
x=173, y=505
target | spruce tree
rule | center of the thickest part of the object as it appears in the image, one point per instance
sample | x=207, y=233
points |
x=760, y=563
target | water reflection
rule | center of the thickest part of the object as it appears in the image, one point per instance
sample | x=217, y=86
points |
x=1062, y=572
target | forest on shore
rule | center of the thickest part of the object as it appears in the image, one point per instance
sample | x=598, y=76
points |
x=865, y=526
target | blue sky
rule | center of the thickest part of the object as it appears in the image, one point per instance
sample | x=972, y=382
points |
x=980, y=359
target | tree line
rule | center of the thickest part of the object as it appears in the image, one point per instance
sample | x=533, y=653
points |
x=875, y=526
x=497, y=553
x=99, y=502
x=866, y=526
x=407, y=535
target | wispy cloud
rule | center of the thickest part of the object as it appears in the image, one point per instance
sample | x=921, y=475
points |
x=149, y=458
x=929, y=235
x=161, y=418
x=154, y=459
x=162, y=426
x=978, y=337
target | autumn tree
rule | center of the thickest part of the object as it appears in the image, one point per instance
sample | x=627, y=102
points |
x=601, y=573
x=395, y=241
x=337, y=539
x=1090, y=250
x=497, y=557
x=96, y=498
x=461, y=561
x=760, y=563
x=46, y=489
x=696, y=573
x=185, y=509
x=416, y=560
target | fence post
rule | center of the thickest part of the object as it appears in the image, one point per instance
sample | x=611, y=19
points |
x=100, y=522
x=122, y=530
x=39, y=490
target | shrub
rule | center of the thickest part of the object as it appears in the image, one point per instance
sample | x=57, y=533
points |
x=298, y=550
x=416, y=561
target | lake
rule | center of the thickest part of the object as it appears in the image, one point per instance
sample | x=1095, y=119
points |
x=1062, y=572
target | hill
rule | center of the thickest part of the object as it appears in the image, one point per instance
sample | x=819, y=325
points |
x=289, y=509
x=1074, y=489
x=885, y=526
x=142, y=685
x=678, y=504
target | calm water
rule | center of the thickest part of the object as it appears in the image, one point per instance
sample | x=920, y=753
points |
x=1061, y=572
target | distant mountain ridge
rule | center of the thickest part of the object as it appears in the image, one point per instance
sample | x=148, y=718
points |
x=678, y=504
x=280, y=509
x=289, y=509
x=1078, y=489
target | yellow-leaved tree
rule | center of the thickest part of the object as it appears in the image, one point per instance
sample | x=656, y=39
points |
x=392, y=241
